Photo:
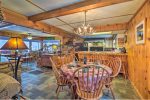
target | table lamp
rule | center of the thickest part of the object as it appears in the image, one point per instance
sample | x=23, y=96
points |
x=15, y=43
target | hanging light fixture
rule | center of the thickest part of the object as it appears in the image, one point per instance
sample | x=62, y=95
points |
x=29, y=36
x=85, y=29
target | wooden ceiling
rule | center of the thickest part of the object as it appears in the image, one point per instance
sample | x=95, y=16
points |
x=67, y=14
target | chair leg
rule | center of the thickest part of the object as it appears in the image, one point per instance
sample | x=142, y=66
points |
x=112, y=93
x=72, y=92
x=18, y=96
x=57, y=91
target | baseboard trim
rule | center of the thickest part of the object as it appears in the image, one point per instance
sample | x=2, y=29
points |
x=141, y=97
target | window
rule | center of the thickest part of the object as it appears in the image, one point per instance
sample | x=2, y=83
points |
x=2, y=42
x=27, y=43
x=36, y=45
x=47, y=45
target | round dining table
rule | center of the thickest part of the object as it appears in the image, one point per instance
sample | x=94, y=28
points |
x=69, y=69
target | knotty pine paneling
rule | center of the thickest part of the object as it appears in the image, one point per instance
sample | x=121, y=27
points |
x=148, y=51
x=139, y=55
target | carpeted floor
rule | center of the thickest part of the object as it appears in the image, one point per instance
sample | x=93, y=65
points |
x=40, y=83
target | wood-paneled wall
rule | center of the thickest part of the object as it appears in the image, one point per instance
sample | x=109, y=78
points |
x=139, y=55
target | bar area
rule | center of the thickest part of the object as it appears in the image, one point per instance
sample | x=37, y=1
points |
x=75, y=49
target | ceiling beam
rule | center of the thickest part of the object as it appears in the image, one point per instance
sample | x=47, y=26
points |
x=74, y=8
x=18, y=19
x=113, y=27
x=18, y=34
x=14, y=34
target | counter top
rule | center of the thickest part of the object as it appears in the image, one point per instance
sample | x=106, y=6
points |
x=103, y=52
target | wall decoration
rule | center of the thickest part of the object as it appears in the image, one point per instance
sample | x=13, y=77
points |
x=140, y=33
x=125, y=39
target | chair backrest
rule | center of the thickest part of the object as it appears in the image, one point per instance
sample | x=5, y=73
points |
x=115, y=65
x=55, y=70
x=90, y=80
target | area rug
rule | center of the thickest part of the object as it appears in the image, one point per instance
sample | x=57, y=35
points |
x=36, y=72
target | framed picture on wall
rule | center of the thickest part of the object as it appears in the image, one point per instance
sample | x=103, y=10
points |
x=140, y=33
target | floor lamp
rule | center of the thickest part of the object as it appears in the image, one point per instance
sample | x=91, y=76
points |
x=15, y=43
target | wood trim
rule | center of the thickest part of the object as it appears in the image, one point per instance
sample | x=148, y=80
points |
x=138, y=10
x=18, y=19
x=100, y=19
x=113, y=27
x=65, y=23
x=136, y=90
x=74, y=8
x=9, y=34
x=45, y=10
x=17, y=34
x=29, y=1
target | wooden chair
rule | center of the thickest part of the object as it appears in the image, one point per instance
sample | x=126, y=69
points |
x=57, y=61
x=61, y=80
x=123, y=69
x=115, y=65
x=89, y=81
x=81, y=56
x=100, y=59
x=72, y=57
x=105, y=59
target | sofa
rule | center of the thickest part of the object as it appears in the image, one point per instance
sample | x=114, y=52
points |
x=8, y=85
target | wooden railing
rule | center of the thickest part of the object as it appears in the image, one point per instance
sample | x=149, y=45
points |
x=103, y=57
x=63, y=59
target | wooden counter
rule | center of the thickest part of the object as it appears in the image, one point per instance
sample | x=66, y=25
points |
x=44, y=60
x=94, y=56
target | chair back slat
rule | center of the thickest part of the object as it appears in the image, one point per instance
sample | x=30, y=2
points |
x=55, y=70
x=115, y=65
x=90, y=80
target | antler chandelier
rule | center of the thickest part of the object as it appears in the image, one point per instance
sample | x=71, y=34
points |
x=85, y=29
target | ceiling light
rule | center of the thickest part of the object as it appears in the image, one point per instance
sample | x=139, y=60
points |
x=85, y=29
x=29, y=36
x=98, y=33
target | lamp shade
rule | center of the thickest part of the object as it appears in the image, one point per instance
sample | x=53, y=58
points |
x=14, y=43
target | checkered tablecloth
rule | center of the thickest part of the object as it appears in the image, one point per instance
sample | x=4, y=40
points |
x=68, y=71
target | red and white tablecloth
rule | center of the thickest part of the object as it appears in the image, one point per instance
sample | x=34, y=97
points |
x=68, y=71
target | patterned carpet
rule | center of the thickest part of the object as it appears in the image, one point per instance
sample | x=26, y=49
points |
x=40, y=83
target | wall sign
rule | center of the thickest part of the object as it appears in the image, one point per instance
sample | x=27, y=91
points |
x=140, y=33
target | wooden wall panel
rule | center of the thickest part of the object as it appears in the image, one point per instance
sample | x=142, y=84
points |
x=139, y=55
x=148, y=51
